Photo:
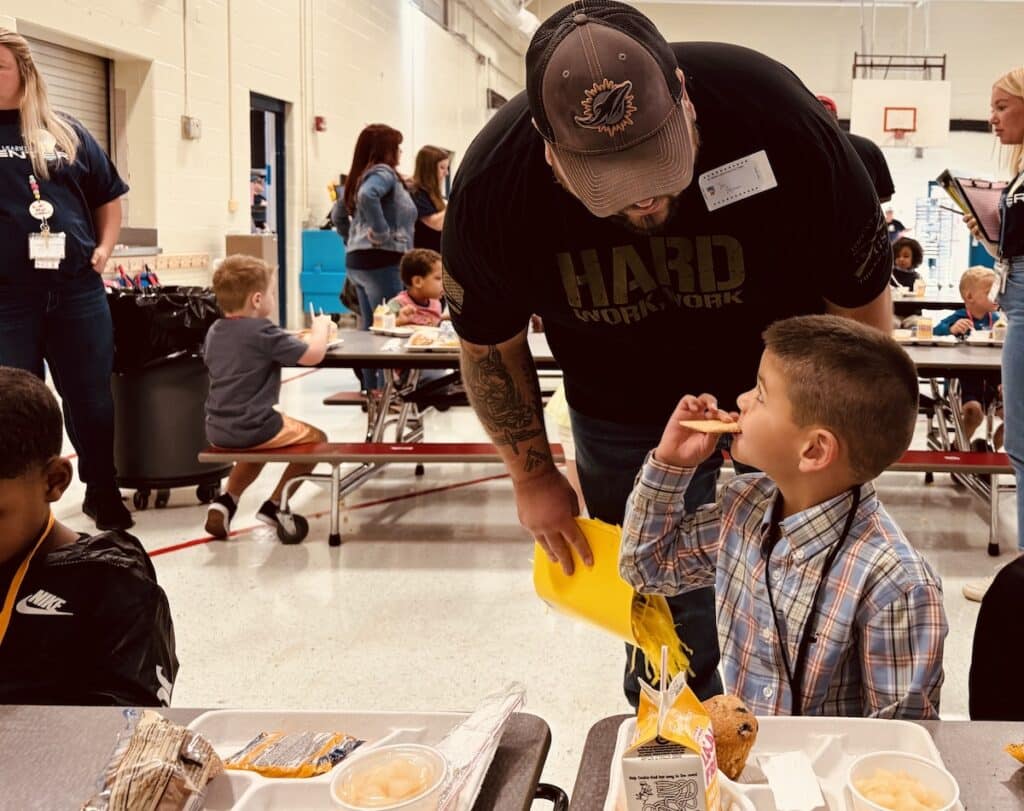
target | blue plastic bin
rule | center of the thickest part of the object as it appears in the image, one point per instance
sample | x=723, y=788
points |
x=323, y=271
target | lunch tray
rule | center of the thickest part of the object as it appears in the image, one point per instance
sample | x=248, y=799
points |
x=832, y=744
x=229, y=730
x=397, y=332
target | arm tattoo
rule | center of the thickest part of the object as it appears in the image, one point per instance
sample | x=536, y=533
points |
x=509, y=416
x=536, y=459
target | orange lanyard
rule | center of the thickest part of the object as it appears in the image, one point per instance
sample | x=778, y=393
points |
x=19, y=577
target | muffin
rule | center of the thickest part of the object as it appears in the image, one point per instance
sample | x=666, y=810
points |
x=735, y=728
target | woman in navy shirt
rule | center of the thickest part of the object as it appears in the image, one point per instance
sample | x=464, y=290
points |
x=60, y=215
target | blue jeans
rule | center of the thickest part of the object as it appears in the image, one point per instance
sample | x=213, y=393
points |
x=609, y=456
x=1012, y=302
x=372, y=287
x=68, y=325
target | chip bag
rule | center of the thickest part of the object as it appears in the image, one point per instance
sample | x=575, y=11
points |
x=598, y=595
x=671, y=761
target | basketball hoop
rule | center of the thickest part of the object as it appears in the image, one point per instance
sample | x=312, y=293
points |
x=898, y=121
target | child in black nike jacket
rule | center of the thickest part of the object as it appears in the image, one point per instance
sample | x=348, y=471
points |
x=83, y=620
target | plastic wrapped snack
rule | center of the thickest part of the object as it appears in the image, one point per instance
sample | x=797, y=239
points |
x=296, y=754
x=156, y=765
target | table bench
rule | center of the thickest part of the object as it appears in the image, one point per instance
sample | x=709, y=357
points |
x=370, y=457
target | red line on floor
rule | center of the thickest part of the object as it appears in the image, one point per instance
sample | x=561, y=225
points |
x=300, y=374
x=163, y=550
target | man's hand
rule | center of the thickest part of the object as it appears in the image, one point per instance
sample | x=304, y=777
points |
x=684, y=447
x=547, y=507
x=99, y=258
x=961, y=327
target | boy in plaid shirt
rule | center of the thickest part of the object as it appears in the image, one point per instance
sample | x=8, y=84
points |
x=824, y=606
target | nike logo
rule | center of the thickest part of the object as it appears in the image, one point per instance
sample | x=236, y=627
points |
x=42, y=602
x=164, y=693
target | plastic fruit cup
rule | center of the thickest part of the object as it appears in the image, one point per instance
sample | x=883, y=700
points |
x=931, y=775
x=371, y=761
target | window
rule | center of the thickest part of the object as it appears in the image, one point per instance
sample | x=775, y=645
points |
x=437, y=10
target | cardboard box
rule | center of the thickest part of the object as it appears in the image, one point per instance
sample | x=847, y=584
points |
x=263, y=246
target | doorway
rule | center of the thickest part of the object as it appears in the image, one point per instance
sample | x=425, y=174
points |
x=267, y=181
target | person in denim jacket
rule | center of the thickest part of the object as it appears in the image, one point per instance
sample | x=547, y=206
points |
x=383, y=217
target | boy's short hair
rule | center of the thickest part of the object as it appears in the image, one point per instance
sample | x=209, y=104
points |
x=916, y=253
x=237, y=278
x=417, y=262
x=853, y=380
x=976, y=277
x=32, y=431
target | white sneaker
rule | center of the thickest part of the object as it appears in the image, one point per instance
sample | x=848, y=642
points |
x=975, y=589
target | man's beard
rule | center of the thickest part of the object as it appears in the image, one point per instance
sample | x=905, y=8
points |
x=647, y=225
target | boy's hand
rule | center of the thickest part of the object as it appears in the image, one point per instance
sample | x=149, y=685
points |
x=408, y=311
x=683, y=447
x=961, y=327
x=324, y=325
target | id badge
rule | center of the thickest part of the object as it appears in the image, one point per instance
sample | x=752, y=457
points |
x=46, y=250
x=736, y=181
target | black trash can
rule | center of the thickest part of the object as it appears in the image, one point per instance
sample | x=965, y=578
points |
x=159, y=389
x=160, y=430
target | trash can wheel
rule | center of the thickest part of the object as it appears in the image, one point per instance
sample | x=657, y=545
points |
x=291, y=528
x=207, y=492
x=141, y=499
x=162, y=497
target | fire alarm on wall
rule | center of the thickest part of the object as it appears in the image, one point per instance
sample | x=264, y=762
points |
x=320, y=123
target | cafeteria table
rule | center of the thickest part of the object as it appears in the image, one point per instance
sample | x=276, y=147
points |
x=990, y=780
x=52, y=756
x=946, y=299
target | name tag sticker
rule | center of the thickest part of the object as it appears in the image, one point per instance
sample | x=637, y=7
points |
x=737, y=180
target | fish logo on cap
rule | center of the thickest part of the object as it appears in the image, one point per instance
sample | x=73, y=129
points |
x=608, y=107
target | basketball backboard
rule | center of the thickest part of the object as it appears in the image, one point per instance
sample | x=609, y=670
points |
x=901, y=112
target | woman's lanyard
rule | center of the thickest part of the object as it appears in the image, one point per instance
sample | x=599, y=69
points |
x=45, y=249
x=796, y=674
x=19, y=577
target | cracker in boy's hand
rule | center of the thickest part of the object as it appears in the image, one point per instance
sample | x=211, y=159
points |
x=711, y=426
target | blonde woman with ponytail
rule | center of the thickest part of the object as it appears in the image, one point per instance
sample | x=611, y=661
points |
x=60, y=216
x=1007, y=120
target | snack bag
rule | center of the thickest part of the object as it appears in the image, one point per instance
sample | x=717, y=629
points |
x=296, y=754
x=671, y=761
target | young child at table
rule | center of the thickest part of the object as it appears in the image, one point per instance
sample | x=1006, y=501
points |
x=244, y=352
x=824, y=607
x=980, y=312
x=84, y=620
x=420, y=303
x=907, y=257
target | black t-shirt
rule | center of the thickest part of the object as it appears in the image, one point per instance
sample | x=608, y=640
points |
x=874, y=161
x=1011, y=234
x=635, y=321
x=90, y=626
x=425, y=236
x=74, y=190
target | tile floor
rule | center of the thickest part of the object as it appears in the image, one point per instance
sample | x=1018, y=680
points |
x=429, y=604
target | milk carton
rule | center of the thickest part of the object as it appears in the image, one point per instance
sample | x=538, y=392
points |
x=671, y=761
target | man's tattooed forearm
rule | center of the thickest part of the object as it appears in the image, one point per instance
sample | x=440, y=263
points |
x=509, y=416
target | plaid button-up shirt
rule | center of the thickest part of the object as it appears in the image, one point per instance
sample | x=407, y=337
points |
x=880, y=627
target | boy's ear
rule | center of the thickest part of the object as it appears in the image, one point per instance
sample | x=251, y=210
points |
x=57, y=475
x=819, y=452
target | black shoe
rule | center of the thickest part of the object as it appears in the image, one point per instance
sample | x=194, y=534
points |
x=106, y=508
x=267, y=514
x=219, y=515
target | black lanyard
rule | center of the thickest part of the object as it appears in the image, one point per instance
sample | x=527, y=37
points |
x=796, y=674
